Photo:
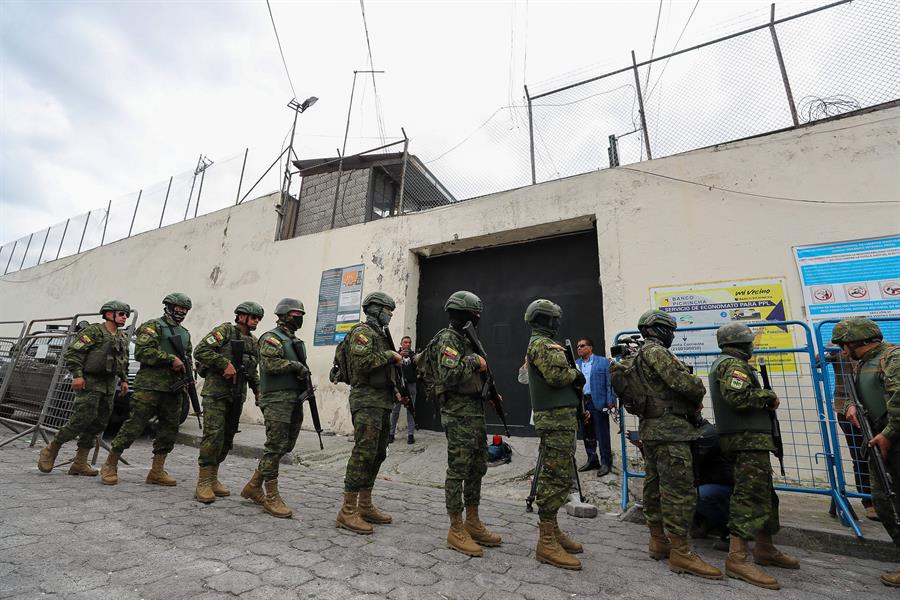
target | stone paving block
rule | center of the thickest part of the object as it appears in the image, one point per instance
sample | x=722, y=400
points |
x=233, y=582
x=286, y=577
x=252, y=563
x=268, y=592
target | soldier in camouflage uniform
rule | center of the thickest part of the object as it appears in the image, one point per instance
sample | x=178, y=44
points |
x=96, y=358
x=672, y=397
x=743, y=420
x=878, y=388
x=215, y=358
x=554, y=402
x=372, y=395
x=161, y=369
x=283, y=373
x=457, y=386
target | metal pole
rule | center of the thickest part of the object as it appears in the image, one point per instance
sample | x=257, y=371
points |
x=637, y=82
x=241, y=180
x=337, y=187
x=272, y=166
x=6, y=270
x=25, y=254
x=62, y=239
x=784, y=76
x=106, y=222
x=166, y=201
x=403, y=171
x=531, y=136
x=136, y=205
x=44, y=245
x=286, y=182
x=191, y=195
x=200, y=191
x=613, y=151
x=83, y=231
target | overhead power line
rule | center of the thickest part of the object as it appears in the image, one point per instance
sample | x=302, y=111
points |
x=280, y=50
x=674, y=48
x=378, y=115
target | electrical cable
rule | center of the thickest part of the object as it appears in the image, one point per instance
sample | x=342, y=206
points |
x=280, y=50
x=378, y=115
x=674, y=48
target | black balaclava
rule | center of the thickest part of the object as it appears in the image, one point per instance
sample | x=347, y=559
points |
x=744, y=351
x=291, y=322
x=546, y=325
x=664, y=334
x=176, y=313
x=459, y=318
x=378, y=315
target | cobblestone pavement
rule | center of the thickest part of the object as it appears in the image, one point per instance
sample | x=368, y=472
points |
x=73, y=538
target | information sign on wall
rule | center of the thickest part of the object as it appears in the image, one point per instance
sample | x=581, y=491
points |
x=340, y=299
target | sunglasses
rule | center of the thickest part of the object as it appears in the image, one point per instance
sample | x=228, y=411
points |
x=583, y=346
x=122, y=313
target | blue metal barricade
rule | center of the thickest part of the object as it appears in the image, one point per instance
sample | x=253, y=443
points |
x=804, y=416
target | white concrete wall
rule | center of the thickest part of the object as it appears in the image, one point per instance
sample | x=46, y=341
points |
x=651, y=231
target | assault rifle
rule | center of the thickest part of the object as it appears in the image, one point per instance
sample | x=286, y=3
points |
x=867, y=433
x=309, y=393
x=570, y=356
x=489, y=391
x=237, y=387
x=402, y=384
x=187, y=377
x=776, y=426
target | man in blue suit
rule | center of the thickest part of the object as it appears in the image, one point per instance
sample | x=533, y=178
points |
x=599, y=398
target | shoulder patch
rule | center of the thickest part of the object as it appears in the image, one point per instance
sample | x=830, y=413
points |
x=449, y=351
x=148, y=330
x=736, y=383
x=218, y=335
x=210, y=339
x=740, y=375
x=273, y=341
x=361, y=339
x=555, y=346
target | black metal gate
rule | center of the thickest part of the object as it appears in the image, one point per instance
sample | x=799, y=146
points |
x=565, y=269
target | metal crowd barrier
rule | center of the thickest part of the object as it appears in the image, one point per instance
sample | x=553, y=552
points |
x=809, y=458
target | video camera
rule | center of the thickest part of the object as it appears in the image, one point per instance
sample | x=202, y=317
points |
x=627, y=346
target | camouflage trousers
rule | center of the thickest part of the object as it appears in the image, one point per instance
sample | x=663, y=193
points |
x=146, y=404
x=89, y=418
x=557, y=430
x=669, y=494
x=881, y=501
x=217, y=439
x=282, y=429
x=754, y=504
x=466, y=461
x=370, y=440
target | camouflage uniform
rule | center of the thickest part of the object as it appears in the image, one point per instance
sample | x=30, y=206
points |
x=458, y=386
x=153, y=396
x=745, y=436
x=213, y=354
x=282, y=410
x=100, y=357
x=371, y=399
x=669, y=494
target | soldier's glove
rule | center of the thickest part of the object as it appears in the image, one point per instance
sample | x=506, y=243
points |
x=579, y=380
x=770, y=397
x=301, y=370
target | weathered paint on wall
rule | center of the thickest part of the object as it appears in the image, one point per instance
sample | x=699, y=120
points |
x=651, y=230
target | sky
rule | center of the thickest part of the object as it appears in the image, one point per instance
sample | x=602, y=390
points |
x=101, y=99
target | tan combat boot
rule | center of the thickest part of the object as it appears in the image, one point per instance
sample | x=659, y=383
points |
x=567, y=543
x=48, y=457
x=659, y=544
x=684, y=560
x=204, y=493
x=158, y=474
x=890, y=579
x=218, y=489
x=109, y=471
x=478, y=531
x=253, y=489
x=458, y=537
x=739, y=566
x=80, y=464
x=550, y=552
x=273, y=503
x=368, y=511
x=348, y=517
x=765, y=553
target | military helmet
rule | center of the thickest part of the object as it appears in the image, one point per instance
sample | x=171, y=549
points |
x=250, y=308
x=286, y=305
x=734, y=333
x=178, y=299
x=657, y=317
x=542, y=306
x=115, y=305
x=856, y=329
x=463, y=300
x=379, y=298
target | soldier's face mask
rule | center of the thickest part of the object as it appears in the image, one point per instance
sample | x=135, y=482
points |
x=176, y=313
x=666, y=335
x=745, y=350
x=384, y=316
x=294, y=320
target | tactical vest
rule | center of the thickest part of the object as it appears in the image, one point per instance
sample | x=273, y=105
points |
x=377, y=378
x=729, y=420
x=166, y=331
x=472, y=384
x=250, y=359
x=659, y=400
x=274, y=382
x=871, y=389
x=103, y=359
x=544, y=396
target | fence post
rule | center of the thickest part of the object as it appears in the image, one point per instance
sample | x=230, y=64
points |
x=784, y=76
x=166, y=201
x=530, y=136
x=11, y=253
x=191, y=194
x=134, y=214
x=237, y=199
x=199, y=192
x=403, y=171
x=44, y=245
x=25, y=254
x=106, y=222
x=83, y=231
x=62, y=238
x=637, y=83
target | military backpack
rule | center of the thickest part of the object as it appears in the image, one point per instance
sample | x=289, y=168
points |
x=630, y=384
